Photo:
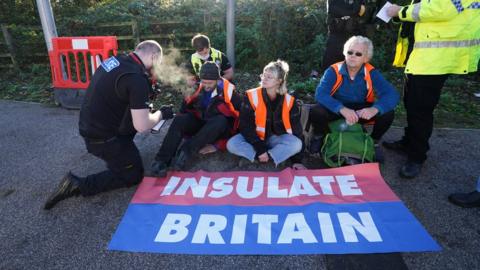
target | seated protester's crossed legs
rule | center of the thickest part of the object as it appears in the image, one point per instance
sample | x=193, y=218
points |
x=183, y=124
x=201, y=132
x=237, y=145
x=212, y=129
x=282, y=147
x=321, y=116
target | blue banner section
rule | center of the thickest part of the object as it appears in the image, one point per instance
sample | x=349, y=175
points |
x=312, y=229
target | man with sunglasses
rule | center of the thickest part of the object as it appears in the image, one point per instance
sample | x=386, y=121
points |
x=437, y=38
x=354, y=90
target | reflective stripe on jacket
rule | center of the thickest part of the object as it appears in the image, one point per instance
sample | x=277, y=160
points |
x=447, y=37
x=258, y=104
x=228, y=89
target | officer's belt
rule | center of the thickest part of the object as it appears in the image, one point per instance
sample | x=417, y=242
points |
x=98, y=141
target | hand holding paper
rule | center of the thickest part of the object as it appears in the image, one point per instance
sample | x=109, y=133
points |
x=382, y=14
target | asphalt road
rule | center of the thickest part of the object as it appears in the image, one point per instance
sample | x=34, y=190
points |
x=40, y=144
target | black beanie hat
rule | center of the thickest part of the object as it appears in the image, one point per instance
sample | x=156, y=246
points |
x=209, y=71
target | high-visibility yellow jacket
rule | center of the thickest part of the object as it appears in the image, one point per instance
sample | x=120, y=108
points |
x=447, y=37
x=215, y=54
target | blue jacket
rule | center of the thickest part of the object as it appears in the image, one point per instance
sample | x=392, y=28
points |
x=354, y=92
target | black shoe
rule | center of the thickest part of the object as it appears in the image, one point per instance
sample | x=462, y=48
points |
x=68, y=187
x=410, y=169
x=466, y=200
x=315, y=144
x=158, y=168
x=180, y=160
x=398, y=146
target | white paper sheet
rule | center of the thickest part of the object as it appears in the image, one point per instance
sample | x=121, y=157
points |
x=157, y=127
x=382, y=14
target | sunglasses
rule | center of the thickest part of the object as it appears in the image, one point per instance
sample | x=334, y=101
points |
x=359, y=54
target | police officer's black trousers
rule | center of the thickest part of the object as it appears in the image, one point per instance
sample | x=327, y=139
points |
x=421, y=96
x=200, y=132
x=321, y=116
x=125, y=167
x=334, y=49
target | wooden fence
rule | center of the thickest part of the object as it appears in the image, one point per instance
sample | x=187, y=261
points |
x=9, y=58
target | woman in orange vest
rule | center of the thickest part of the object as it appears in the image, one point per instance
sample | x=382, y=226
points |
x=354, y=90
x=270, y=121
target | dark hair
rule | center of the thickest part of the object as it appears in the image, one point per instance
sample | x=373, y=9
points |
x=209, y=71
x=200, y=42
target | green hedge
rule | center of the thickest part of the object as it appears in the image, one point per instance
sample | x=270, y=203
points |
x=265, y=30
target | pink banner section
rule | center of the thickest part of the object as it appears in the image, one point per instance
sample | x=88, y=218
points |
x=354, y=184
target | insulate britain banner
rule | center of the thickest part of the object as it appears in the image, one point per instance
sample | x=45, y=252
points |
x=342, y=210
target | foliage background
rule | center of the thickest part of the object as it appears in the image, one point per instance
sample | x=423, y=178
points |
x=293, y=30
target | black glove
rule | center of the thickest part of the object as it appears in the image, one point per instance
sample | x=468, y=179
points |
x=154, y=91
x=167, y=112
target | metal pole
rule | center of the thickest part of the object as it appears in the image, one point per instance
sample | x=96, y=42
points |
x=48, y=22
x=231, y=31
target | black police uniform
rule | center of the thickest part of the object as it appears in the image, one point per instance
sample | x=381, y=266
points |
x=343, y=22
x=120, y=84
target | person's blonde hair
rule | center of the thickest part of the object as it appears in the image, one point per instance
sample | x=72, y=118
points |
x=279, y=69
x=359, y=40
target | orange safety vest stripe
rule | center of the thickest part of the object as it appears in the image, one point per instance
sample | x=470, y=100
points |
x=368, y=80
x=256, y=101
x=228, y=89
x=227, y=95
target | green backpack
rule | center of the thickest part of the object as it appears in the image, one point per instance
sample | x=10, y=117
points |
x=345, y=144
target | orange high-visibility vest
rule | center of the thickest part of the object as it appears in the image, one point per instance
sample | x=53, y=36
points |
x=256, y=101
x=228, y=89
x=368, y=80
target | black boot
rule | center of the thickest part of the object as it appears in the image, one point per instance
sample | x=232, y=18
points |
x=315, y=144
x=466, y=200
x=180, y=160
x=411, y=169
x=68, y=187
x=399, y=146
x=159, y=168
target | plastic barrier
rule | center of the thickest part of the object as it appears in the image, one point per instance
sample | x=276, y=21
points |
x=73, y=60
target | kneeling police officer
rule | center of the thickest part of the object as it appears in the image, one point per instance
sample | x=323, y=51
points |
x=115, y=108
